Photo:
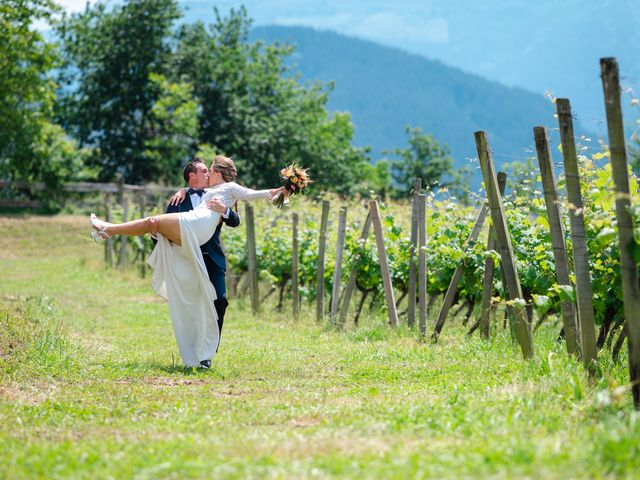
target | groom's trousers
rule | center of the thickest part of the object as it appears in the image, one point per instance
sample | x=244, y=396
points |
x=217, y=278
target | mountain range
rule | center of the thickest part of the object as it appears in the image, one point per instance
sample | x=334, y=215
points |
x=540, y=46
x=386, y=89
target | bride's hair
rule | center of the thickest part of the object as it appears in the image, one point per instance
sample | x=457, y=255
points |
x=226, y=167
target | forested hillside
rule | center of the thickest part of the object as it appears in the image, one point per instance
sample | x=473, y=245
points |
x=386, y=89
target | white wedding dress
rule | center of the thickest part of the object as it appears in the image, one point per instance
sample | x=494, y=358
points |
x=180, y=275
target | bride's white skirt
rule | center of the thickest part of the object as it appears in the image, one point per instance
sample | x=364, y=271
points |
x=180, y=276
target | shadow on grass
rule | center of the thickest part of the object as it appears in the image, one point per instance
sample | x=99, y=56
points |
x=157, y=368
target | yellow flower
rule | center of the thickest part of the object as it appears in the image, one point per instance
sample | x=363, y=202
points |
x=294, y=179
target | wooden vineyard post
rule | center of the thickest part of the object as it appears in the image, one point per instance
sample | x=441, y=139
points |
x=487, y=290
x=508, y=263
x=322, y=247
x=108, y=244
x=230, y=275
x=337, y=272
x=252, y=266
x=295, y=294
x=584, y=293
x=124, y=241
x=628, y=268
x=422, y=263
x=457, y=275
x=552, y=202
x=143, y=254
x=411, y=309
x=353, y=275
x=384, y=264
x=489, y=270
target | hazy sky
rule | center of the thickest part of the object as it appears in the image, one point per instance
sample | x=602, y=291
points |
x=407, y=23
x=545, y=45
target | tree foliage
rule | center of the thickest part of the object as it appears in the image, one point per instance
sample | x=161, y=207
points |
x=173, y=126
x=140, y=96
x=27, y=92
x=377, y=179
x=255, y=111
x=109, y=95
x=423, y=158
x=145, y=98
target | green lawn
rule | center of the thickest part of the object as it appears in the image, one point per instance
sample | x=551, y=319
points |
x=91, y=387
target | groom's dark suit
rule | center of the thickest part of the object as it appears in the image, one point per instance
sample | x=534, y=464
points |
x=213, y=255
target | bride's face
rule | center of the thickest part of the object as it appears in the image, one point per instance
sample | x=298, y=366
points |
x=215, y=177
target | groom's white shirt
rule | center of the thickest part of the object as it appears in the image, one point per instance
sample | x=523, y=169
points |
x=195, y=199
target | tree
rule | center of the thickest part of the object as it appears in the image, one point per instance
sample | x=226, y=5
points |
x=173, y=127
x=26, y=91
x=378, y=179
x=59, y=161
x=424, y=158
x=108, y=94
x=255, y=110
x=132, y=90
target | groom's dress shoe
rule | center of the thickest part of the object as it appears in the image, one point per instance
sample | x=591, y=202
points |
x=205, y=364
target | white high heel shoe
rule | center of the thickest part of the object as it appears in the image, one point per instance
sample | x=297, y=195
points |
x=98, y=233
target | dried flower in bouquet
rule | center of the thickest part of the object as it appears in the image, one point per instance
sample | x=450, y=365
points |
x=295, y=179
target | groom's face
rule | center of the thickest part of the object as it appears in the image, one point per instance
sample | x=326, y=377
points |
x=200, y=178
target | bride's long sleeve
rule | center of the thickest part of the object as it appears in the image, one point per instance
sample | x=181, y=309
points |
x=248, y=194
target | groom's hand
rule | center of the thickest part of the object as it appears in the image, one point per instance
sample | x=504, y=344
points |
x=178, y=197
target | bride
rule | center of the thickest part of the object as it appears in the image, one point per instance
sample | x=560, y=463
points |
x=179, y=271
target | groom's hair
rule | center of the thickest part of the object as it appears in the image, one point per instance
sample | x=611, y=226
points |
x=191, y=168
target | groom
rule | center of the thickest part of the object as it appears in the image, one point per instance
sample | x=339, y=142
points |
x=196, y=174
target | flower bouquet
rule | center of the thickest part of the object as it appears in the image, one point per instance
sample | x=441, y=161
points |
x=295, y=180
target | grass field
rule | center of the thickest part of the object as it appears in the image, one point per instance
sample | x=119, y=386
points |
x=91, y=387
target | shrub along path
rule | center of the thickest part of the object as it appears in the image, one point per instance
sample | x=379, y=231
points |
x=91, y=386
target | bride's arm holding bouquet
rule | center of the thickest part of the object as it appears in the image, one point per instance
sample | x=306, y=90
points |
x=238, y=191
x=295, y=180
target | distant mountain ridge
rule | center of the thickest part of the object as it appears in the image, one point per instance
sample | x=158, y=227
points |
x=386, y=89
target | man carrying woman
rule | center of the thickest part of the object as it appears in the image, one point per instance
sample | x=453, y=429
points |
x=180, y=272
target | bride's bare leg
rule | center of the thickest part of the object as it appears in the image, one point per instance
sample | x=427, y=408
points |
x=168, y=224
